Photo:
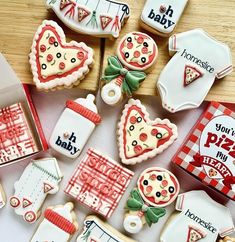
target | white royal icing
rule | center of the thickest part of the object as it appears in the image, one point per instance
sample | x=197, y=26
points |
x=133, y=224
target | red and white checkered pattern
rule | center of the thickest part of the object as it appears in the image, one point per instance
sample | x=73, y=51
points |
x=191, y=148
x=15, y=118
x=90, y=194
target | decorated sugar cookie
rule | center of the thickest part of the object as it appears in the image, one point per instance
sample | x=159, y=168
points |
x=40, y=178
x=136, y=53
x=161, y=17
x=101, y=18
x=58, y=225
x=140, y=138
x=99, y=182
x=227, y=239
x=2, y=197
x=187, y=78
x=199, y=219
x=95, y=230
x=156, y=189
x=56, y=63
x=16, y=136
x=75, y=126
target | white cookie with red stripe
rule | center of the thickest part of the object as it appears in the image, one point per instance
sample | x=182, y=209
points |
x=56, y=63
x=40, y=178
x=140, y=138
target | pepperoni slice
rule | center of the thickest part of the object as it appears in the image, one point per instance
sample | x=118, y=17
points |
x=80, y=55
x=133, y=119
x=51, y=40
x=129, y=45
x=164, y=193
x=62, y=65
x=140, y=40
x=164, y=183
x=154, y=132
x=153, y=177
x=138, y=149
x=136, y=54
x=43, y=48
x=144, y=50
x=149, y=189
x=143, y=137
x=49, y=58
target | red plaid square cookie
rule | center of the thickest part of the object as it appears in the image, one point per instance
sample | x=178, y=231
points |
x=16, y=138
x=209, y=150
x=99, y=183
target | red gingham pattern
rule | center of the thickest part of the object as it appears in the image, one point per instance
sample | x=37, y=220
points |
x=26, y=138
x=191, y=147
x=110, y=202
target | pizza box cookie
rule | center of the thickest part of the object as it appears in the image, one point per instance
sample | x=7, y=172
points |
x=199, y=218
x=208, y=152
x=99, y=182
x=40, y=178
x=156, y=189
x=101, y=18
x=59, y=224
x=161, y=17
x=95, y=230
x=140, y=138
x=56, y=64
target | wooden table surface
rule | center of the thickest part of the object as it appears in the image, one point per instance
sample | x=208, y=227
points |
x=214, y=16
x=19, y=20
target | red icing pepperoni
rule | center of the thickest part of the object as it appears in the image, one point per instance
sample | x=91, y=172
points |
x=49, y=58
x=138, y=149
x=136, y=54
x=140, y=40
x=164, y=183
x=144, y=50
x=154, y=132
x=80, y=55
x=153, y=177
x=133, y=119
x=143, y=137
x=129, y=45
x=51, y=40
x=149, y=189
x=62, y=65
x=164, y=193
x=43, y=48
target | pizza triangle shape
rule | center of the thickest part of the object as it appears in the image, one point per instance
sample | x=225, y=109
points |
x=195, y=234
x=47, y=187
x=82, y=13
x=105, y=21
x=26, y=203
x=191, y=74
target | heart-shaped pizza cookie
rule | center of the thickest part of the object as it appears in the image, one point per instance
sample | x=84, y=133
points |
x=54, y=62
x=140, y=138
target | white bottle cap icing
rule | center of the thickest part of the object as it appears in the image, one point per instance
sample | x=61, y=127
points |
x=88, y=102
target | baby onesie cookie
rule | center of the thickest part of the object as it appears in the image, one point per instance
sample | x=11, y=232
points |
x=136, y=52
x=40, y=178
x=189, y=75
x=2, y=197
x=75, y=126
x=156, y=189
x=101, y=18
x=227, y=239
x=99, y=183
x=161, y=17
x=95, y=230
x=16, y=136
x=56, y=63
x=140, y=138
x=200, y=219
x=58, y=225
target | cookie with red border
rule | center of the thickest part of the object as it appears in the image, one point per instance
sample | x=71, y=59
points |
x=55, y=63
x=139, y=137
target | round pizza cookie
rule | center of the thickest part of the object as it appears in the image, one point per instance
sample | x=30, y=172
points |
x=137, y=51
x=158, y=187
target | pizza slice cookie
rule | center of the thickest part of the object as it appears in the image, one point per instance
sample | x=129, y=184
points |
x=191, y=74
x=140, y=138
x=55, y=63
x=195, y=234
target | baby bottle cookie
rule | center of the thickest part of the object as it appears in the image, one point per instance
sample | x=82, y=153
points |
x=40, y=178
x=101, y=18
x=156, y=189
x=187, y=78
x=139, y=137
x=136, y=52
x=75, y=126
x=54, y=62
x=227, y=239
x=59, y=224
x=161, y=17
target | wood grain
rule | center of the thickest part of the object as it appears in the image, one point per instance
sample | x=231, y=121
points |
x=214, y=16
x=19, y=20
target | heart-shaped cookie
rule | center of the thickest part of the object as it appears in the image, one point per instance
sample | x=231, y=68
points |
x=140, y=138
x=54, y=62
